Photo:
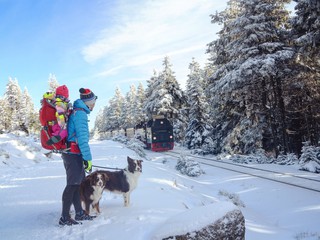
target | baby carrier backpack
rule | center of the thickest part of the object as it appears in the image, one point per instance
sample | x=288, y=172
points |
x=47, y=116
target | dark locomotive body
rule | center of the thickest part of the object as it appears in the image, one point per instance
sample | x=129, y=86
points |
x=159, y=134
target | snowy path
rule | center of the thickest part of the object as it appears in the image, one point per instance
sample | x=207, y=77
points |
x=31, y=200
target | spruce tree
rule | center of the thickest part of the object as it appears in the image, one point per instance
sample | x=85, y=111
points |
x=306, y=33
x=140, y=115
x=251, y=58
x=115, y=110
x=52, y=82
x=304, y=92
x=198, y=128
x=151, y=95
x=3, y=115
x=13, y=105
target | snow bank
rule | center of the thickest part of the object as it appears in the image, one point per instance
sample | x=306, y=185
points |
x=193, y=219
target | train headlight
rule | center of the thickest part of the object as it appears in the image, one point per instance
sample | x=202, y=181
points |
x=154, y=138
x=170, y=137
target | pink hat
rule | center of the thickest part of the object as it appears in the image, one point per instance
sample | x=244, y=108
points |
x=62, y=91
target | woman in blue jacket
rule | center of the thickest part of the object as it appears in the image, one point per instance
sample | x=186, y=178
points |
x=78, y=159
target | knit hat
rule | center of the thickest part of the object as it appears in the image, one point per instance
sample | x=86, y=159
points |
x=62, y=91
x=87, y=95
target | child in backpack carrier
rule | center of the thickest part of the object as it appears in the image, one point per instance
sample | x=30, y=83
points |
x=61, y=102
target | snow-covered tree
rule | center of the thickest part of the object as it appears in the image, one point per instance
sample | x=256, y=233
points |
x=246, y=89
x=127, y=110
x=99, y=122
x=152, y=95
x=165, y=97
x=305, y=28
x=12, y=97
x=140, y=115
x=303, y=101
x=172, y=98
x=131, y=104
x=163, y=94
x=3, y=115
x=106, y=119
x=52, y=82
x=30, y=122
x=198, y=130
x=114, y=111
x=17, y=110
x=310, y=158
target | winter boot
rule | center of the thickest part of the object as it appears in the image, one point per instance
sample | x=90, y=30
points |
x=67, y=221
x=83, y=216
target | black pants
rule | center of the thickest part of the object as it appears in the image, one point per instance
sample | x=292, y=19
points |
x=75, y=174
x=71, y=195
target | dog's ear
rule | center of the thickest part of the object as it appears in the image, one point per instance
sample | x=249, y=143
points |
x=106, y=178
x=129, y=159
x=92, y=178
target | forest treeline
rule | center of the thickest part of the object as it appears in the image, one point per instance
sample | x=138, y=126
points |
x=259, y=90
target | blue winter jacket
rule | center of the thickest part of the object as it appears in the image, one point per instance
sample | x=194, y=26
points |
x=78, y=129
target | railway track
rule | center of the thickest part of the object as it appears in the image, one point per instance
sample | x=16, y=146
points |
x=306, y=181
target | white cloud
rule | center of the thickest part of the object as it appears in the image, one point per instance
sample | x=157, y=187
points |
x=144, y=32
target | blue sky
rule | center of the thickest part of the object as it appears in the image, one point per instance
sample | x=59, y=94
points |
x=101, y=44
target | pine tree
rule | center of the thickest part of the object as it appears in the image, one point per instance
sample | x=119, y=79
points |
x=172, y=100
x=163, y=94
x=251, y=59
x=25, y=109
x=310, y=158
x=305, y=28
x=31, y=123
x=140, y=115
x=115, y=111
x=304, y=92
x=3, y=115
x=128, y=109
x=171, y=96
x=52, y=82
x=98, y=123
x=151, y=95
x=106, y=119
x=198, y=128
x=13, y=96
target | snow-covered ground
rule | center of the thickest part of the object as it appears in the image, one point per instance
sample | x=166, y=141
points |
x=31, y=186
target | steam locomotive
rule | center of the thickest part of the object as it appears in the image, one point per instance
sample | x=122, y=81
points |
x=159, y=134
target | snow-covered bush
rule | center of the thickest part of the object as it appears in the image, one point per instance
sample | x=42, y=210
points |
x=100, y=135
x=133, y=144
x=288, y=159
x=137, y=146
x=310, y=158
x=189, y=167
x=258, y=157
x=233, y=197
x=120, y=138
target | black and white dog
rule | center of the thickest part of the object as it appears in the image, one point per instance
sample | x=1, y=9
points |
x=91, y=190
x=124, y=181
